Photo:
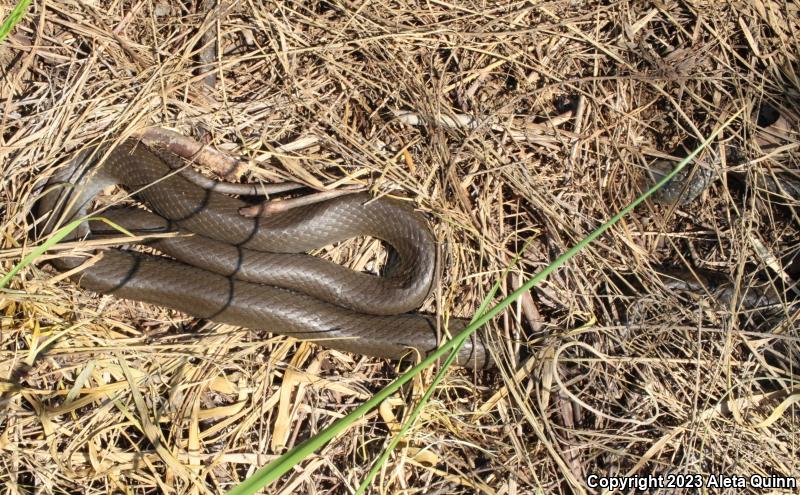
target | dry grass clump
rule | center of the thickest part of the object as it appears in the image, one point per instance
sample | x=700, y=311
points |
x=506, y=122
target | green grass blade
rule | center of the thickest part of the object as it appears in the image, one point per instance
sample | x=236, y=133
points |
x=57, y=237
x=13, y=18
x=39, y=250
x=284, y=463
x=409, y=422
x=459, y=341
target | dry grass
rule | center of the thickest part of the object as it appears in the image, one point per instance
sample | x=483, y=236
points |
x=570, y=101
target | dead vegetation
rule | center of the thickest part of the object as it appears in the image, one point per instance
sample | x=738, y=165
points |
x=506, y=122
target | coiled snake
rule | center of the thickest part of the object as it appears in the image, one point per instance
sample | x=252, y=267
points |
x=249, y=271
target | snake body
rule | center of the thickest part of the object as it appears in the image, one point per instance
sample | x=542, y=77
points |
x=250, y=272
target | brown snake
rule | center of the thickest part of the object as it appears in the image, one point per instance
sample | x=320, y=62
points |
x=249, y=271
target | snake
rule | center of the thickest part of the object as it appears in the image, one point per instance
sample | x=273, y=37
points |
x=253, y=272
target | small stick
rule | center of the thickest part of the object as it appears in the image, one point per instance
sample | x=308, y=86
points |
x=190, y=149
x=208, y=54
x=274, y=206
x=221, y=163
x=224, y=187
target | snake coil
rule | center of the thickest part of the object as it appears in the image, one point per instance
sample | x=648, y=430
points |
x=251, y=272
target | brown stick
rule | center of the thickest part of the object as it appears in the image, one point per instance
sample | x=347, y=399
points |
x=271, y=207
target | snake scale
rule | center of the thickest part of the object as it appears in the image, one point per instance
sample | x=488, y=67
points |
x=251, y=272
